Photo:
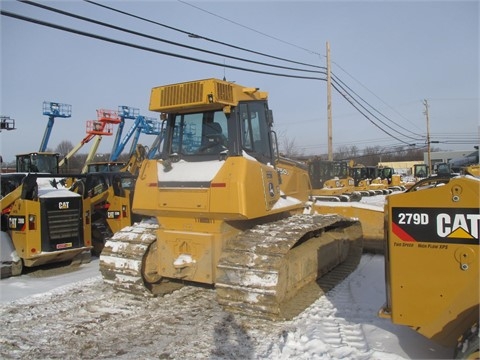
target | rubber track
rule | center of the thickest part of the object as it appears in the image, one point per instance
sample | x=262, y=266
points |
x=258, y=253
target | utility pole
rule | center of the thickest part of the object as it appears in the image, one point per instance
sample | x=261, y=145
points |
x=329, y=104
x=425, y=102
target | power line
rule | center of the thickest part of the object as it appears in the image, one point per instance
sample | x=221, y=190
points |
x=188, y=58
x=196, y=36
x=311, y=52
x=119, y=42
x=371, y=92
x=124, y=43
x=58, y=11
x=335, y=84
x=248, y=28
x=366, y=116
x=86, y=19
x=288, y=43
x=185, y=32
x=343, y=84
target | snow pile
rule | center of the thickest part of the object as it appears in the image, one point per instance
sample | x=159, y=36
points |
x=87, y=319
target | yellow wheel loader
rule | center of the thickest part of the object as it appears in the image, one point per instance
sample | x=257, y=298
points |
x=432, y=261
x=226, y=211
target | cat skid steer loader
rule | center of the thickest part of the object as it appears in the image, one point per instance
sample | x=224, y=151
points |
x=42, y=222
x=432, y=261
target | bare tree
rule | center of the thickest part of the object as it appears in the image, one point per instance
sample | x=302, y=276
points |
x=346, y=152
x=75, y=163
x=64, y=147
x=289, y=148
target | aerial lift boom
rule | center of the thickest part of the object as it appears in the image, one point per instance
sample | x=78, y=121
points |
x=95, y=130
x=148, y=126
x=143, y=125
x=124, y=112
x=53, y=110
x=6, y=123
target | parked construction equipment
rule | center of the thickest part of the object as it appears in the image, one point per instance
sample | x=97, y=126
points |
x=42, y=222
x=432, y=261
x=227, y=210
x=331, y=181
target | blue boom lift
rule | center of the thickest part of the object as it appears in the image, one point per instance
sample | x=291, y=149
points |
x=53, y=110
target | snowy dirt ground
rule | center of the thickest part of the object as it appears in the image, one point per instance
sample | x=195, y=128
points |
x=87, y=319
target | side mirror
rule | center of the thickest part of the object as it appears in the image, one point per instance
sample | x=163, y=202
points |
x=270, y=118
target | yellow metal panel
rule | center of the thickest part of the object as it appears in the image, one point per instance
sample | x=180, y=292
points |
x=201, y=94
x=188, y=255
x=228, y=196
x=27, y=241
x=251, y=188
x=433, y=259
x=295, y=179
x=371, y=218
x=183, y=199
x=239, y=181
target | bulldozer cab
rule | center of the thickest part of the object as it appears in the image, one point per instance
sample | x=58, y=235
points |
x=358, y=173
x=323, y=170
x=420, y=171
x=216, y=134
x=372, y=172
x=443, y=169
x=386, y=172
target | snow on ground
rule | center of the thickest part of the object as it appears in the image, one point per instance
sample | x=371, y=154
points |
x=87, y=319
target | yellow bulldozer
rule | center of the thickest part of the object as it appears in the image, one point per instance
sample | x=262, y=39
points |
x=330, y=181
x=432, y=261
x=225, y=210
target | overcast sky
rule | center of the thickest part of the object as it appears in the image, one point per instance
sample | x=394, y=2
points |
x=391, y=54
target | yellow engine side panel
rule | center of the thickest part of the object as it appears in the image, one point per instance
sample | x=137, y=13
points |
x=295, y=179
x=27, y=243
x=433, y=259
x=240, y=189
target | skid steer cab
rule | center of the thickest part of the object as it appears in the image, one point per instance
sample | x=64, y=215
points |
x=38, y=162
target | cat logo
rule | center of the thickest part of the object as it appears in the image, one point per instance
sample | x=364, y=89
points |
x=62, y=205
x=464, y=226
x=446, y=225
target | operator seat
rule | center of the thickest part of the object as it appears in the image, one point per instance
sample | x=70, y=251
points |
x=212, y=138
